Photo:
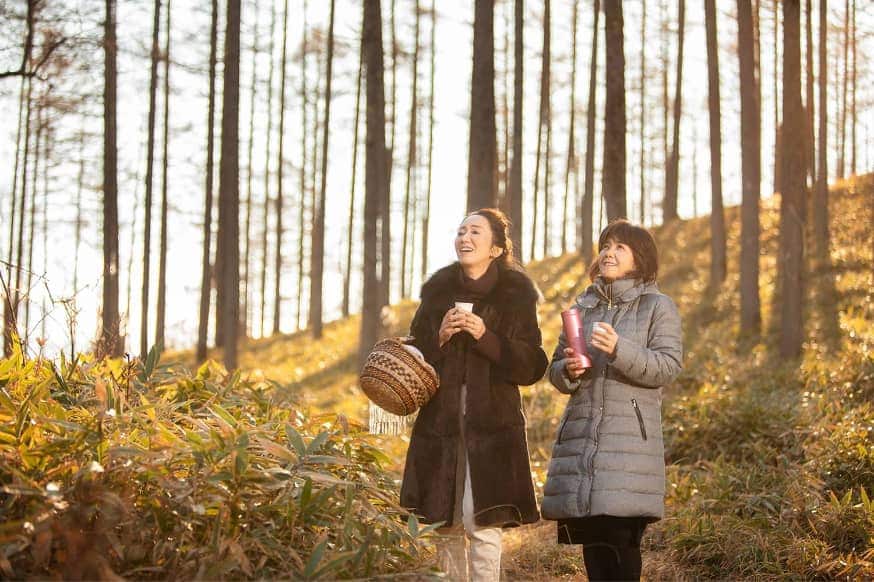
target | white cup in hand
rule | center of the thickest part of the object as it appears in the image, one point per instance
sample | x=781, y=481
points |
x=464, y=306
x=597, y=327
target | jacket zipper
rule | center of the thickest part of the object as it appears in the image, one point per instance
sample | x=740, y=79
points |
x=591, y=459
x=639, y=418
x=608, y=298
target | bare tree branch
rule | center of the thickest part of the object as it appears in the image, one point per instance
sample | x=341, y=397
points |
x=32, y=9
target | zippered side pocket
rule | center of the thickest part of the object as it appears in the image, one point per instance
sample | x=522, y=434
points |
x=561, y=429
x=639, y=418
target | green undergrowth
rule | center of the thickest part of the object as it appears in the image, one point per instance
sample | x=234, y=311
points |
x=772, y=468
x=144, y=470
x=112, y=468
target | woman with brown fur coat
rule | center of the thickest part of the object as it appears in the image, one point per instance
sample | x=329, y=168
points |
x=467, y=464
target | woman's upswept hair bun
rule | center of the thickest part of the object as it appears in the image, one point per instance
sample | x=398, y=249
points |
x=500, y=225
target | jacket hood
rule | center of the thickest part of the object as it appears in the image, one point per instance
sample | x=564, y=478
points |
x=617, y=292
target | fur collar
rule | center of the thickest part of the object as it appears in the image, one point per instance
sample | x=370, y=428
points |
x=513, y=289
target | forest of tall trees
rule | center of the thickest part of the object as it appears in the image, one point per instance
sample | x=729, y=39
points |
x=210, y=213
x=340, y=172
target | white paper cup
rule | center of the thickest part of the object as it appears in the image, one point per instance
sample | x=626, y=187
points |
x=464, y=306
x=597, y=327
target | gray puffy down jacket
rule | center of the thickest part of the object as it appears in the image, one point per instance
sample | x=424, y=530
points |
x=608, y=457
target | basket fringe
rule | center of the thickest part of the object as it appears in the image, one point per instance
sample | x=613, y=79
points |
x=382, y=422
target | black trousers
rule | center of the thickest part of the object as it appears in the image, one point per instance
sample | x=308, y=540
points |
x=611, y=545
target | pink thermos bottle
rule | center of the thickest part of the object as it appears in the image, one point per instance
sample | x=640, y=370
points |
x=573, y=332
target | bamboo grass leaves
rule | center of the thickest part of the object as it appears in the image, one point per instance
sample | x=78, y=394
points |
x=204, y=474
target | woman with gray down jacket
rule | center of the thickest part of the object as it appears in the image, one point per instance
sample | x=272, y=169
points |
x=606, y=479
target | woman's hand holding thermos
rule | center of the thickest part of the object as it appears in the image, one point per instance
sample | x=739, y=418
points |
x=577, y=361
x=574, y=365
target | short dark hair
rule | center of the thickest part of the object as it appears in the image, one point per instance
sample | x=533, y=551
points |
x=642, y=245
x=500, y=225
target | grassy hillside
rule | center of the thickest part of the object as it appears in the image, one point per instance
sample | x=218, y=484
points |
x=268, y=472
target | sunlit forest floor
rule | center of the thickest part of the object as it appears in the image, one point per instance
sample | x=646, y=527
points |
x=165, y=470
x=770, y=459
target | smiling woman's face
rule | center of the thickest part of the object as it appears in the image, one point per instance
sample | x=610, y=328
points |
x=615, y=260
x=474, y=242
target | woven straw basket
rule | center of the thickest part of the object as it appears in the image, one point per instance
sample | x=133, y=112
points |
x=397, y=378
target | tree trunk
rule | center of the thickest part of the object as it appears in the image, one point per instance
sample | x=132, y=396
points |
x=836, y=106
x=614, y=113
x=318, y=244
x=515, y=202
x=643, y=113
x=504, y=186
x=751, y=152
x=842, y=155
x=541, y=123
x=757, y=55
x=393, y=115
x=481, y=187
x=427, y=212
x=347, y=277
x=314, y=170
x=666, y=96
x=571, y=153
x=229, y=190
x=547, y=120
x=853, y=119
x=820, y=199
x=110, y=343
x=267, y=156
x=150, y=163
x=669, y=207
x=8, y=315
x=130, y=258
x=49, y=153
x=246, y=309
x=586, y=226
x=38, y=156
x=303, y=169
x=776, y=161
x=80, y=180
x=411, y=159
x=810, y=126
x=206, y=268
x=22, y=215
x=694, y=171
x=375, y=181
x=717, y=217
x=547, y=175
x=385, y=259
x=792, y=199
x=162, y=256
x=280, y=173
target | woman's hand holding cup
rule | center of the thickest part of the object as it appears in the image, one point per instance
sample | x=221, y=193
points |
x=461, y=318
x=470, y=321
x=604, y=337
x=450, y=326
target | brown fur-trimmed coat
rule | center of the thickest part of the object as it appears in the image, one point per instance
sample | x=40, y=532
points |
x=494, y=425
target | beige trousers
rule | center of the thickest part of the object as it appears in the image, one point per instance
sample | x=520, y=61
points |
x=481, y=561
